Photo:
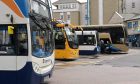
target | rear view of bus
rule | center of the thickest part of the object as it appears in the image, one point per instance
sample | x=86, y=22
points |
x=66, y=43
x=118, y=35
x=88, y=42
x=26, y=41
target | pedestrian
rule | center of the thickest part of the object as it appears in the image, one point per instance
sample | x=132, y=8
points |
x=102, y=46
x=108, y=47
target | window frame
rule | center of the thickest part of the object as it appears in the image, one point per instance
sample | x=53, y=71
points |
x=16, y=44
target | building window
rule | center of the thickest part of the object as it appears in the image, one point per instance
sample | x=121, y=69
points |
x=73, y=6
x=60, y=7
x=129, y=24
x=63, y=6
x=135, y=24
x=61, y=16
x=68, y=17
x=69, y=6
x=133, y=4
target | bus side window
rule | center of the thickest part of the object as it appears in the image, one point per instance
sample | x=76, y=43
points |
x=22, y=43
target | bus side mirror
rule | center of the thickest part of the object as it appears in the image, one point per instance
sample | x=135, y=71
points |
x=10, y=30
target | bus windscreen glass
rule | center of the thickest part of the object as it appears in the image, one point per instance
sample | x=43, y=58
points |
x=72, y=38
x=40, y=8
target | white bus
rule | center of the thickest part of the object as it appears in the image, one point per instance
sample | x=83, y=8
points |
x=88, y=42
x=26, y=41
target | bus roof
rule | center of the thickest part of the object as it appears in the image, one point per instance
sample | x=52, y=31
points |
x=102, y=26
x=86, y=32
x=104, y=35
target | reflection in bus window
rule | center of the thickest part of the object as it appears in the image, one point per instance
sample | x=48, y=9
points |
x=40, y=8
x=13, y=44
x=6, y=44
x=87, y=40
x=72, y=38
x=59, y=39
x=42, y=45
x=22, y=40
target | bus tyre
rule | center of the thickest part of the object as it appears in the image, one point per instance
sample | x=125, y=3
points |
x=43, y=81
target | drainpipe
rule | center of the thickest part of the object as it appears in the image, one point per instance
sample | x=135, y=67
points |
x=100, y=12
x=88, y=13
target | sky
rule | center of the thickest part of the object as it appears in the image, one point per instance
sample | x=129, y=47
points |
x=77, y=0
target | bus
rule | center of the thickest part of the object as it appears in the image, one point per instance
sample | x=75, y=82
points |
x=88, y=42
x=26, y=41
x=66, y=42
x=118, y=35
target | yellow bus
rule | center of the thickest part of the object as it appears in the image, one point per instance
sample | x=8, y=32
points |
x=66, y=42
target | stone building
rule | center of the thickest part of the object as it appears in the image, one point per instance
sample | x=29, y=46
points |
x=70, y=11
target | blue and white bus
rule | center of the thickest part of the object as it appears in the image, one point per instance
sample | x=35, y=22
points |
x=26, y=41
x=88, y=42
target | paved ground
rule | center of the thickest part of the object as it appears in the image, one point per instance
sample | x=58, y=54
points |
x=106, y=69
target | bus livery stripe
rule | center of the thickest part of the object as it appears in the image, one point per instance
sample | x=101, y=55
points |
x=24, y=6
x=13, y=6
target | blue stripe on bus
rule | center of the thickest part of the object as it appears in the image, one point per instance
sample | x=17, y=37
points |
x=24, y=6
x=89, y=52
x=23, y=76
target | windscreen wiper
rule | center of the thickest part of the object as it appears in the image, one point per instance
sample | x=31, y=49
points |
x=46, y=21
x=36, y=21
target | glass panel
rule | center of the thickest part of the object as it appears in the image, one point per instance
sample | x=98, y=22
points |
x=22, y=40
x=42, y=41
x=135, y=24
x=130, y=25
x=40, y=8
x=87, y=40
x=13, y=44
x=72, y=38
x=6, y=42
x=43, y=11
x=59, y=39
x=117, y=35
x=35, y=7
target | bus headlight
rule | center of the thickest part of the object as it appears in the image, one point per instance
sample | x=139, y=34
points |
x=36, y=67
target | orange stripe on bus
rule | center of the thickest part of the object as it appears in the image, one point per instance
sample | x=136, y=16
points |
x=11, y=4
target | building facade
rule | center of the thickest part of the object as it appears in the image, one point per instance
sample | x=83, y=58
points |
x=83, y=14
x=101, y=11
x=70, y=11
x=131, y=6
